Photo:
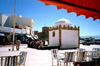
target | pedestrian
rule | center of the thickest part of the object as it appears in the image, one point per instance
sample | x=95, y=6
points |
x=18, y=42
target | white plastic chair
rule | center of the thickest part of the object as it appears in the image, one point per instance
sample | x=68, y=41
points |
x=81, y=56
x=23, y=58
x=10, y=60
x=96, y=52
x=81, y=59
x=55, y=56
x=88, y=54
x=68, y=57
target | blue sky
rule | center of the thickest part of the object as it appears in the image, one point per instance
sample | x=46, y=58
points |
x=48, y=15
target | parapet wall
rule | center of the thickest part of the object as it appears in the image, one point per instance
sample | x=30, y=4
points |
x=64, y=27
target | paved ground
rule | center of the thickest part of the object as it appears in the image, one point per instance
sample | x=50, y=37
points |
x=39, y=57
x=34, y=57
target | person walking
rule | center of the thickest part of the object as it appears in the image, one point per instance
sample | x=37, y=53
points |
x=18, y=42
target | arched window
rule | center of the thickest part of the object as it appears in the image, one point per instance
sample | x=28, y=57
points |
x=53, y=33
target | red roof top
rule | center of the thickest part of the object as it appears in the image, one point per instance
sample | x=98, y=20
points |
x=89, y=8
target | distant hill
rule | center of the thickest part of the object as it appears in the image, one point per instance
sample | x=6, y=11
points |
x=96, y=37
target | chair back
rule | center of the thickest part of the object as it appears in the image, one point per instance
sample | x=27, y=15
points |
x=81, y=56
x=96, y=49
x=54, y=53
x=69, y=56
x=23, y=58
x=81, y=49
x=10, y=60
x=96, y=52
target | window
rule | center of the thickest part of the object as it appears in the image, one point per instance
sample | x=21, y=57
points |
x=53, y=33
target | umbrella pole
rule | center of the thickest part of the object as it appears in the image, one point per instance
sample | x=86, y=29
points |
x=14, y=26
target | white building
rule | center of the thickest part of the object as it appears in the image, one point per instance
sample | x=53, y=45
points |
x=25, y=24
x=63, y=34
x=3, y=19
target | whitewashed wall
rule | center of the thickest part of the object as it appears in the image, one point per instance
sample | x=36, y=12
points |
x=54, y=41
x=3, y=19
x=24, y=21
x=69, y=38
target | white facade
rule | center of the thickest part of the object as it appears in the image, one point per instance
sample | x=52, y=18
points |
x=21, y=20
x=64, y=35
x=3, y=19
x=8, y=20
x=69, y=38
x=54, y=41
